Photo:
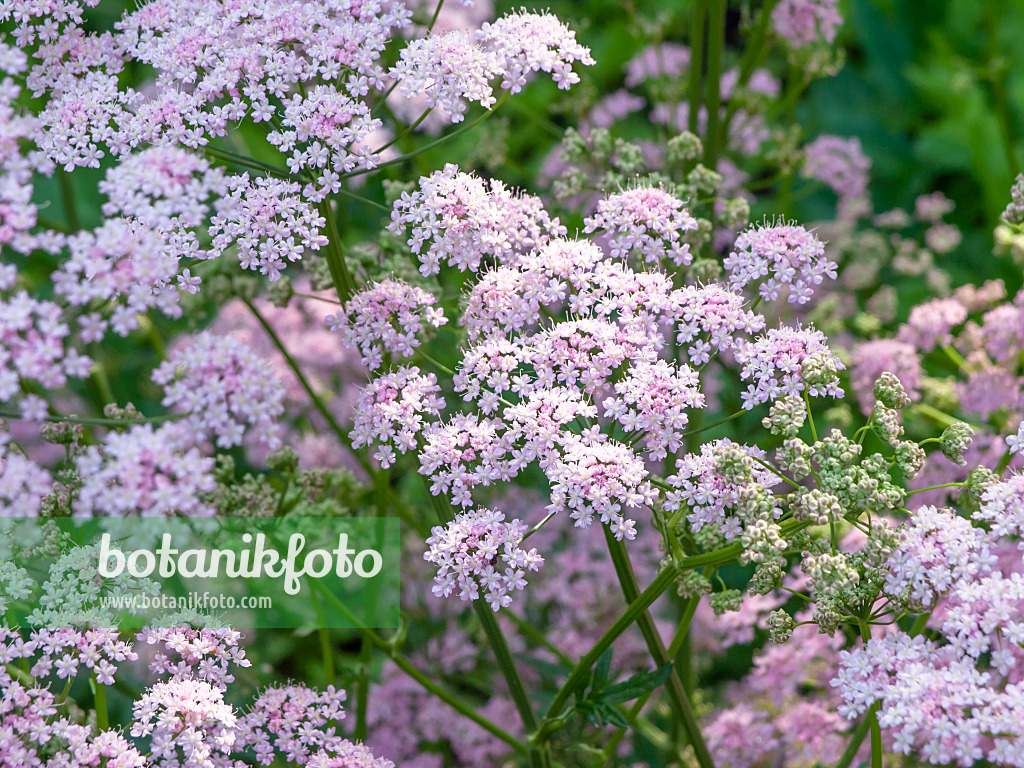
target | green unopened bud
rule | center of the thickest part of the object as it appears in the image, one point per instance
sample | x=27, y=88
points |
x=601, y=142
x=890, y=392
x=725, y=601
x=767, y=576
x=284, y=460
x=704, y=180
x=1014, y=213
x=786, y=416
x=684, y=147
x=910, y=458
x=955, y=441
x=62, y=433
x=735, y=213
x=780, y=626
x=692, y=584
x=628, y=158
x=819, y=369
x=705, y=270
x=978, y=480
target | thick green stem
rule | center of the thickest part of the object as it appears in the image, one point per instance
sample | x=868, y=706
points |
x=856, y=739
x=697, y=23
x=751, y=58
x=678, y=644
x=678, y=697
x=716, y=43
x=100, y=702
x=297, y=370
x=340, y=276
x=665, y=579
x=872, y=717
x=993, y=19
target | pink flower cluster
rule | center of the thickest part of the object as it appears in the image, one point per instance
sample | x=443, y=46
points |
x=144, y=471
x=840, y=163
x=386, y=318
x=937, y=550
x=32, y=343
x=459, y=220
x=702, y=488
x=390, y=411
x=775, y=362
x=451, y=68
x=647, y=221
x=479, y=551
x=226, y=390
x=871, y=359
x=802, y=22
x=956, y=698
x=652, y=400
x=269, y=220
x=785, y=254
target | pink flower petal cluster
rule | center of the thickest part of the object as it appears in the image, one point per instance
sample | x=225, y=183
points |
x=479, y=552
x=709, y=496
x=802, y=22
x=931, y=324
x=391, y=412
x=937, y=550
x=386, y=318
x=459, y=219
x=870, y=359
x=647, y=221
x=783, y=254
x=840, y=163
x=270, y=222
x=292, y=722
x=32, y=345
x=594, y=476
x=187, y=721
x=144, y=471
x=652, y=400
x=774, y=363
x=226, y=390
x=709, y=318
x=448, y=70
x=524, y=42
x=23, y=483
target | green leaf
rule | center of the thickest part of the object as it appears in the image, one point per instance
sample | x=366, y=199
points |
x=636, y=686
x=601, y=670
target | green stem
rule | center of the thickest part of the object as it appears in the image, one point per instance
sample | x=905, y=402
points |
x=247, y=162
x=993, y=20
x=751, y=58
x=718, y=423
x=67, y=191
x=872, y=717
x=102, y=422
x=436, y=143
x=537, y=754
x=682, y=633
x=697, y=23
x=716, y=42
x=856, y=739
x=317, y=402
x=665, y=578
x=451, y=699
x=340, y=275
x=100, y=702
x=678, y=697
x=936, y=487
